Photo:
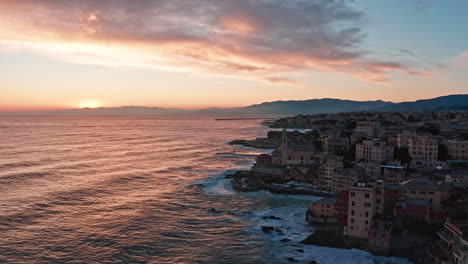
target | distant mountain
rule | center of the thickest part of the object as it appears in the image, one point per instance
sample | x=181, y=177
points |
x=458, y=101
x=298, y=107
x=313, y=106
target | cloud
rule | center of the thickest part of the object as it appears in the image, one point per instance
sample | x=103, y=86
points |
x=255, y=38
x=280, y=80
x=460, y=61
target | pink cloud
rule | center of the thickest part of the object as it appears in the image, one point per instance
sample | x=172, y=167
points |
x=257, y=39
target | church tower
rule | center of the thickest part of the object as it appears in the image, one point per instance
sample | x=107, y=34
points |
x=283, y=147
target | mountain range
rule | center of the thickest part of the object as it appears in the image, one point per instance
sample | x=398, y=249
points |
x=278, y=108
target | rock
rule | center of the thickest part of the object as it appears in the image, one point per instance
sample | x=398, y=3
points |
x=279, y=231
x=238, y=142
x=285, y=240
x=212, y=210
x=300, y=250
x=267, y=229
x=290, y=259
x=313, y=262
x=272, y=217
x=246, y=181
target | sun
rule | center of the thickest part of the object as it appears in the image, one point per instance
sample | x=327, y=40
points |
x=89, y=104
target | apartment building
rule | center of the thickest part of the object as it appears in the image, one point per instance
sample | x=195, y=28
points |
x=374, y=150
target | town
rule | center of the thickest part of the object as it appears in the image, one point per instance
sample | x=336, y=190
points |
x=394, y=183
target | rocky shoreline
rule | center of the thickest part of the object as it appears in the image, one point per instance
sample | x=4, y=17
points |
x=250, y=181
x=262, y=144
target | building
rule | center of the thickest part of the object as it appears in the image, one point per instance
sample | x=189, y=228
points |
x=342, y=207
x=374, y=150
x=355, y=137
x=457, y=149
x=412, y=210
x=393, y=175
x=458, y=178
x=422, y=188
x=335, y=144
x=289, y=153
x=380, y=235
x=402, y=138
x=329, y=170
x=365, y=201
x=344, y=179
x=263, y=159
x=423, y=151
x=322, y=211
x=369, y=170
x=453, y=242
x=370, y=129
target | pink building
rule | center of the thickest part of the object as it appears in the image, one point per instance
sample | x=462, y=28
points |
x=330, y=169
x=380, y=235
x=374, y=150
x=365, y=201
x=423, y=151
x=412, y=210
x=370, y=129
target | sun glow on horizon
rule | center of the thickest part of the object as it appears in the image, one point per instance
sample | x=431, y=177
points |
x=90, y=104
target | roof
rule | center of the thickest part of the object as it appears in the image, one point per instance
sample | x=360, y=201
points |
x=417, y=202
x=303, y=147
x=422, y=183
x=392, y=167
x=326, y=201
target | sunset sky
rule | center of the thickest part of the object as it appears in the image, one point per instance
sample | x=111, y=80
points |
x=197, y=54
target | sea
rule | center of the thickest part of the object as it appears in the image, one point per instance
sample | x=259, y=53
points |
x=144, y=189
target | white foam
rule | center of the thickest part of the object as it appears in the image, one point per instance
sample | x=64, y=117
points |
x=294, y=227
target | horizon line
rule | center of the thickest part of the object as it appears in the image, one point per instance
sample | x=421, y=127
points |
x=190, y=109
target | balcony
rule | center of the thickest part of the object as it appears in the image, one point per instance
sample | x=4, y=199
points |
x=446, y=236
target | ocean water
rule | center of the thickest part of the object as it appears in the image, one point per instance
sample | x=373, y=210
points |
x=137, y=189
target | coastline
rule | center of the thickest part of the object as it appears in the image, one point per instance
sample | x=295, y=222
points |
x=287, y=227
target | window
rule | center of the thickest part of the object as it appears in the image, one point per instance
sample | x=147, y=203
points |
x=352, y=203
x=352, y=220
x=367, y=222
x=352, y=212
x=367, y=195
x=367, y=215
x=353, y=194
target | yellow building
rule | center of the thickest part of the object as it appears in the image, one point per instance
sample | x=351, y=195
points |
x=457, y=149
x=322, y=211
x=422, y=188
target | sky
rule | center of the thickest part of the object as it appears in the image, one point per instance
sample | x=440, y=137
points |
x=195, y=54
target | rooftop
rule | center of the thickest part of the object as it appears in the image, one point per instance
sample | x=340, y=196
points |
x=326, y=201
x=417, y=202
x=422, y=183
